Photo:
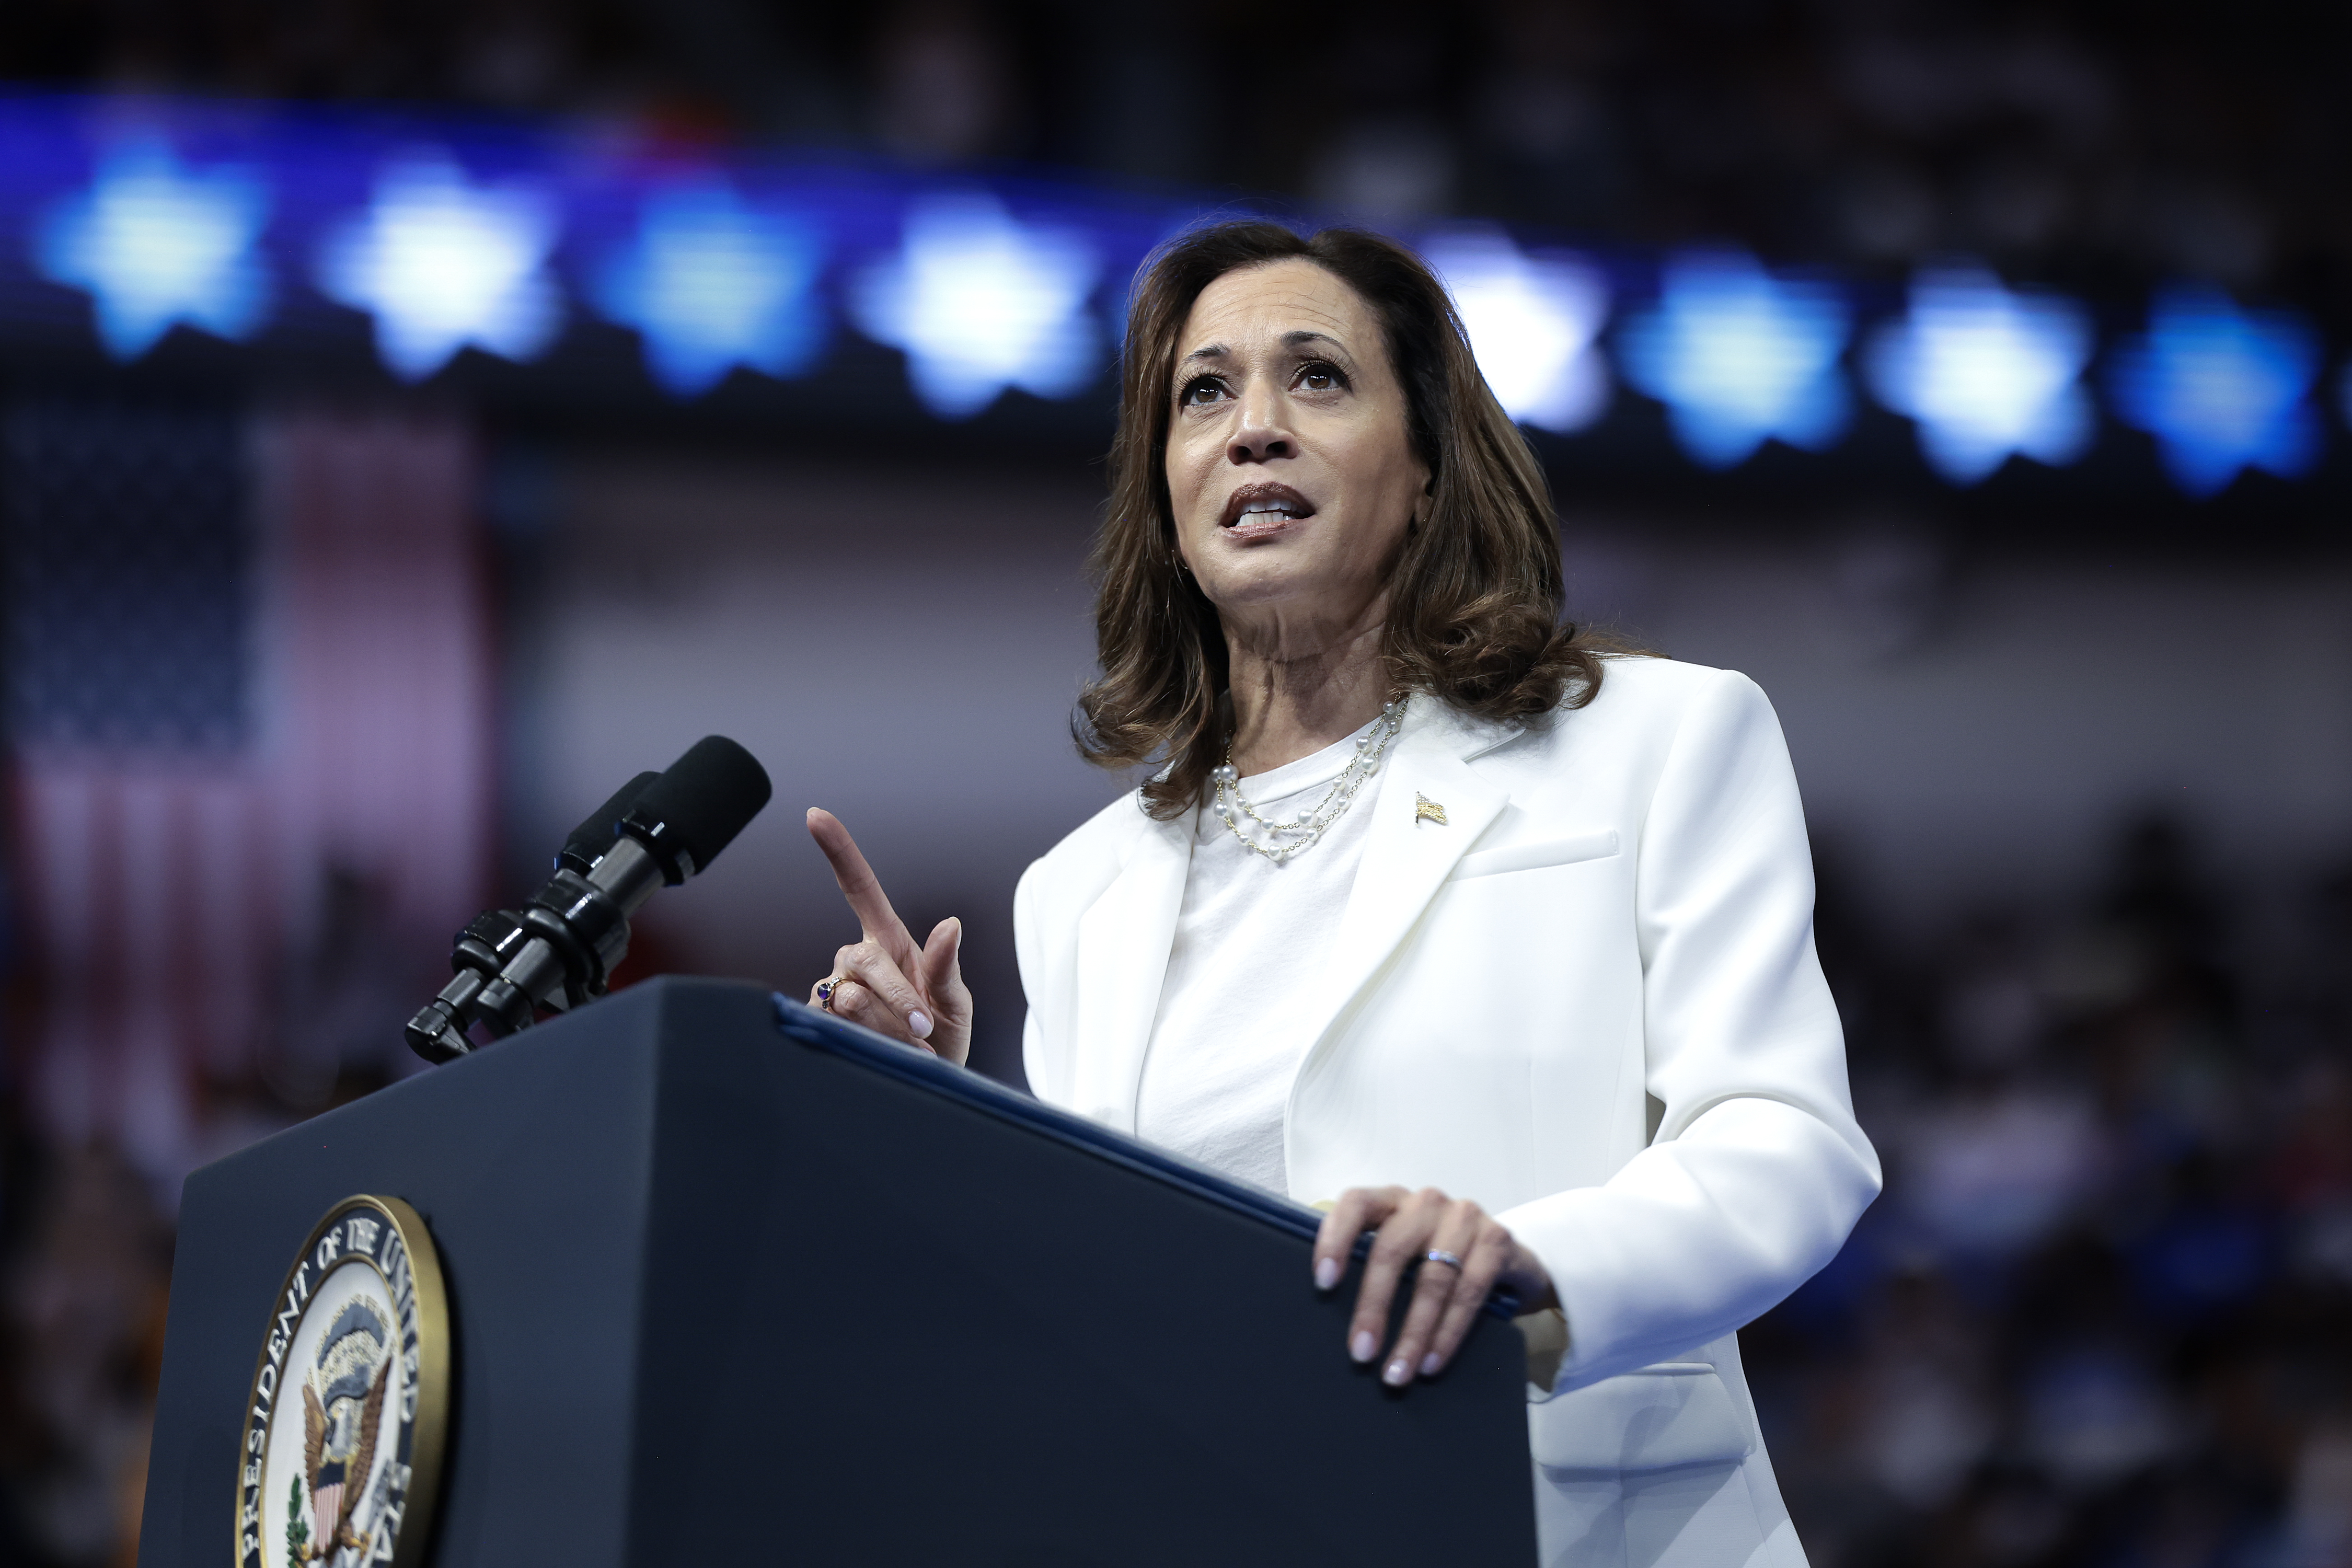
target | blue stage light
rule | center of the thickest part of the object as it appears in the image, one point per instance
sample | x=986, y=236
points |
x=1740, y=357
x=444, y=263
x=2221, y=389
x=195, y=220
x=1986, y=372
x=1533, y=324
x=156, y=244
x=979, y=303
x=710, y=283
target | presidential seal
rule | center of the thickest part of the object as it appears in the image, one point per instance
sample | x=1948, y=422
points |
x=343, y=1421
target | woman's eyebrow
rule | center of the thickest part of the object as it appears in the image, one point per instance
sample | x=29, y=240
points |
x=1300, y=340
x=1294, y=340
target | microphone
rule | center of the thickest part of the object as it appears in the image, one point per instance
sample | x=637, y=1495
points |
x=559, y=949
x=587, y=843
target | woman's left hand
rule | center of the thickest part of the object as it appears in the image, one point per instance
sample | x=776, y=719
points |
x=1448, y=1300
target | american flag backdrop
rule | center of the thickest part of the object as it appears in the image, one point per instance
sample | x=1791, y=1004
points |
x=250, y=688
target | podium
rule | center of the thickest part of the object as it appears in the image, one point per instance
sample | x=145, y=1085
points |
x=731, y=1281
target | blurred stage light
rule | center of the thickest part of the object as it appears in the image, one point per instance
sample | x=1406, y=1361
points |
x=979, y=303
x=710, y=283
x=1986, y=372
x=190, y=221
x=156, y=244
x=2221, y=389
x=1740, y=357
x=1532, y=324
x=441, y=264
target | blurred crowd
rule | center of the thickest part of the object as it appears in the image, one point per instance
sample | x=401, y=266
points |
x=2079, y=141
x=2101, y=1314
x=85, y=1277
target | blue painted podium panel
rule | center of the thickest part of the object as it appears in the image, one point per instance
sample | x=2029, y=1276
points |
x=729, y=1279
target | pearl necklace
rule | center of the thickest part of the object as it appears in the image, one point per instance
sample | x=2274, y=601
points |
x=1305, y=830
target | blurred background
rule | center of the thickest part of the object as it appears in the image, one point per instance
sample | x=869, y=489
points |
x=415, y=420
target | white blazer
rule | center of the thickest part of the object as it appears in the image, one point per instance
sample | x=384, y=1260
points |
x=1590, y=1001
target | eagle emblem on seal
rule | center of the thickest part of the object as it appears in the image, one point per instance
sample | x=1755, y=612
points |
x=342, y=1411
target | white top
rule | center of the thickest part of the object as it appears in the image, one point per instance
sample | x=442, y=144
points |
x=1587, y=1000
x=1239, y=1006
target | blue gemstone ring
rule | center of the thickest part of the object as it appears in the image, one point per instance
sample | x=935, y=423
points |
x=827, y=988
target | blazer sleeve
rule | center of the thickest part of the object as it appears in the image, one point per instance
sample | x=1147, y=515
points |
x=1759, y=1169
x=1036, y=1066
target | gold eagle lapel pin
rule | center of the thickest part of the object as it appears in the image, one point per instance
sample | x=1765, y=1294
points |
x=1426, y=810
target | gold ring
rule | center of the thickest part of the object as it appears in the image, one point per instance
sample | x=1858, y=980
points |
x=827, y=986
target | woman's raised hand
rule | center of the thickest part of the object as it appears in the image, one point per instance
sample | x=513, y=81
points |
x=1478, y=1254
x=912, y=994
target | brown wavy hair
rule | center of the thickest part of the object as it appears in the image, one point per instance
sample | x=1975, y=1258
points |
x=1474, y=602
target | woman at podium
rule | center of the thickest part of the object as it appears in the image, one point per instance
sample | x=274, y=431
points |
x=1494, y=938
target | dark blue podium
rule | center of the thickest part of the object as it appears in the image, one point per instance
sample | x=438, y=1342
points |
x=731, y=1281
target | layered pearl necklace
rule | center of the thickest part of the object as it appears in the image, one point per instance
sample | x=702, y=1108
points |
x=1303, y=831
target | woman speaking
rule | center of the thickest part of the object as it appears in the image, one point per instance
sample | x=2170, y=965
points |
x=1434, y=910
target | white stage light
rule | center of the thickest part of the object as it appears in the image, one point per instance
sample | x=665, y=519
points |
x=1986, y=372
x=979, y=303
x=156, y=244
x=1740, y=357
x=2220, y=388
x=1533, y=324
x=443, y=264
x=710, y=283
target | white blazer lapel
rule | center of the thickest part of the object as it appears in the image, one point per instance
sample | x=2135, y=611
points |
x=1124, y=939
x=1408, y=852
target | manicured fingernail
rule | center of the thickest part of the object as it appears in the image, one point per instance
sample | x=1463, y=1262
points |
x=1364, y=1346
x=1429, y=1363
x=920, y=1022
x=1396, y=1374
x=1326, y=1274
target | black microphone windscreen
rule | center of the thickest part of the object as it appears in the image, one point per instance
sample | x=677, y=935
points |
x=705, y=799
x=588, y=842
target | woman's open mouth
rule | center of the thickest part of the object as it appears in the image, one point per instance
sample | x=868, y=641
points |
x=1254, y=511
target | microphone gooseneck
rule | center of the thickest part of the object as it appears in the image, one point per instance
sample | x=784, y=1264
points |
x=559, y=949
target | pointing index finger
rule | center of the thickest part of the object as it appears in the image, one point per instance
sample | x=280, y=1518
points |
x=859, y=883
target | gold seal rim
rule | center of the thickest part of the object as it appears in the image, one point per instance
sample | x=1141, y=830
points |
x=429, y=1430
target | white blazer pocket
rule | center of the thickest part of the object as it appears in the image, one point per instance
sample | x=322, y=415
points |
x=1674, y=1412
x=1535, y=855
